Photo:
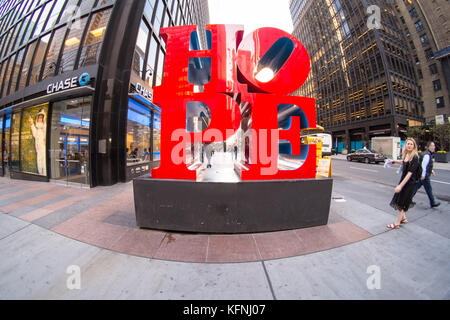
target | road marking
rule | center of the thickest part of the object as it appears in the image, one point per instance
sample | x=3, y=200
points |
x=440, y=182
x=363, y=169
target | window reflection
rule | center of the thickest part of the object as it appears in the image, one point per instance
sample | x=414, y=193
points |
x=26, y=66
x=8, y=73
x=138, y=134
x=70, y=10
x=38, y=58
x=139, y=54
x=43, y=18
x=15, y=70
x=53, y=52
x=71, y=45
x=54, y=14
x=94, y=38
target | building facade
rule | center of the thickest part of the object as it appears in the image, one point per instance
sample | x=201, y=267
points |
x=427, y=25
x=362, y=75
x=76, y=81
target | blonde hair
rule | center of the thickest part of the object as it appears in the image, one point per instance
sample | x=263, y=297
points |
x=411, y=154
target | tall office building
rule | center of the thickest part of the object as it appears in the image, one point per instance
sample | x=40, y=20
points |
x=427, y=26
x=362, y=73
x=76, y=82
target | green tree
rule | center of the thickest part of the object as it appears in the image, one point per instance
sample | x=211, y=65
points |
x=441, y=133
x=418, y=133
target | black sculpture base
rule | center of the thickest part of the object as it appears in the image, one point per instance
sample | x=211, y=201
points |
x=243, y=207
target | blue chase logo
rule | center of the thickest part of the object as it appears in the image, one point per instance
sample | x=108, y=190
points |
x=84, y=79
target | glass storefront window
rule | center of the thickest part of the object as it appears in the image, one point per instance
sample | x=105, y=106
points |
x=15, y=136
x=1, y=145
x=94, y=38
x=138, y=134
x=33, y=138
x=71, y=45
x=156, y=137
x=69, y=141
x=6, y=137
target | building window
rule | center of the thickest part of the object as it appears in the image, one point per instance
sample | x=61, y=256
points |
x=71, y=46
x=413, y=13
x=420, y=74
x=424, y=40
x=429, y=54
x=437, y=85
x=42, y=19
x=156, y=137
x=26, y=66
x=53, y=53
x=141, y=46
x=16, y=70
x=38, y=59
x=160, y=69
x=433, y=69
x=440, y=102
x=54, y=14
x=138, y=134
x=419, y=26
x=90, y=52
x=6, y=74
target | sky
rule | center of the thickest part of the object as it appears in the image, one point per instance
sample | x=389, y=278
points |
x=253, y=14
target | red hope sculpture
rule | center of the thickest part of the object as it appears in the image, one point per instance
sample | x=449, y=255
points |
x=231, y=55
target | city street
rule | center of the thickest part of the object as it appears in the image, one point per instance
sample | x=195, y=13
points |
x=372, y=174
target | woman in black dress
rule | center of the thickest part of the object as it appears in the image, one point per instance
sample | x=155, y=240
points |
x=404, y=191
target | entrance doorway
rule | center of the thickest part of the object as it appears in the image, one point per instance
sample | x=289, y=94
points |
x=69, y=142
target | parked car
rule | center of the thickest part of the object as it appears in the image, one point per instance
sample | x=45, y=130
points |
x=367, y=156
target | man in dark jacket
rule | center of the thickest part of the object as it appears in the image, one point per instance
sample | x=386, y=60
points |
x=427, y=172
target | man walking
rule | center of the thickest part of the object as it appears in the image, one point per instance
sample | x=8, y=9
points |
x=427, y=172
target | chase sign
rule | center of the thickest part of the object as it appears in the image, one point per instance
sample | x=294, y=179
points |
x=68, y=83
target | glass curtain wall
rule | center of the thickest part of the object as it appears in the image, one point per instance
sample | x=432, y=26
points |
x=45, y=38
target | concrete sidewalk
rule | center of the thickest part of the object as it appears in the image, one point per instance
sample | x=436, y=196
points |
x=38, y=261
